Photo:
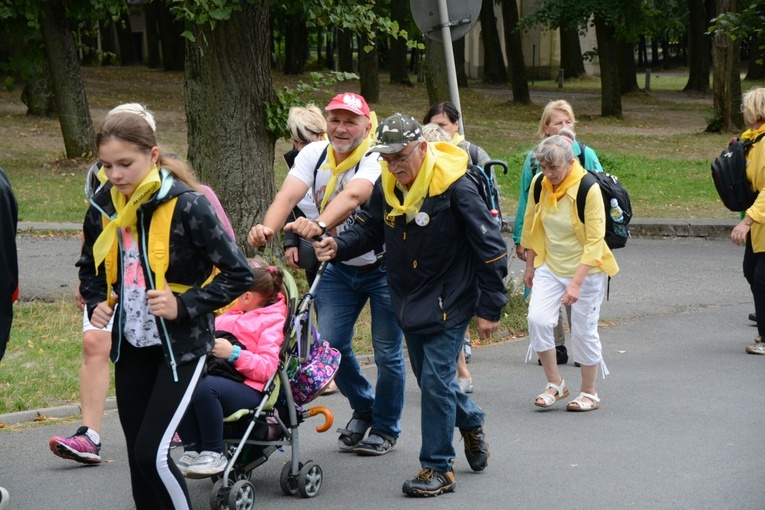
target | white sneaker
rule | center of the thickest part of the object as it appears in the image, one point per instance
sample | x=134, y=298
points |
x=758, y=348
x=466, y=384
x=186, y=460
x=207, y=464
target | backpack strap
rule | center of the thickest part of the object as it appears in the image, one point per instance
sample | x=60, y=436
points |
x=321, y=159
x=159, y=242
x=748, y=143
x=537, y=189
x=582, y=146
x=581, y=195
x=473, y=152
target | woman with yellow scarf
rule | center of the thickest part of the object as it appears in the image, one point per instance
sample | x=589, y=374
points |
x=567, y=262
x=751, y=229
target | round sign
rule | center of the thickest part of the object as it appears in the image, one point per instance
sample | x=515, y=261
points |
x=462, y=15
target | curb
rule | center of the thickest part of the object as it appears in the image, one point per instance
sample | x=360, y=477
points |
x=64, y=411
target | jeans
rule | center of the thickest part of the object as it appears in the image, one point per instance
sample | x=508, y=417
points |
x=444, y=405
x=340, y=297
x=215, y=397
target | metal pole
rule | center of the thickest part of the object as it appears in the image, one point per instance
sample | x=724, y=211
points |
x=560, y=78
x=451, y=70
x=648, y=79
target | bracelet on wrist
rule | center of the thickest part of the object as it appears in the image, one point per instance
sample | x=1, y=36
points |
x=234, y=354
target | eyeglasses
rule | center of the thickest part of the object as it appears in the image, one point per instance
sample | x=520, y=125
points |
x=397, y=161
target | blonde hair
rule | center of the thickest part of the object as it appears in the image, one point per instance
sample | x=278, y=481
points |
x=432, y=132
x=753, y=105
x=561, y=105
x=137, y=109
x=306, y=123
x=133, y=127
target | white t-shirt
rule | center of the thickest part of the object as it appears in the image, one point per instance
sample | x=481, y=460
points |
x=305, y=163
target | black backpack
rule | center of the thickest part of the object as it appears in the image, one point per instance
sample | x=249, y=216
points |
x=487, y=186
x=610, y=187
x=729, y=175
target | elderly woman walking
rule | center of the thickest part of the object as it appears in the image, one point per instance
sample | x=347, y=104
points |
x=567, y=262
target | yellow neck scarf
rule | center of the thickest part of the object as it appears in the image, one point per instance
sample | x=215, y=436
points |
x=443, y=165
x=126, y=214
x=350, y=162
x=574, y=176
x=458, y=138
x=751, y=134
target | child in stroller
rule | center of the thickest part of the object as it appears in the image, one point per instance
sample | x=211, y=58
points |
x=306, y=366
x=255, y=324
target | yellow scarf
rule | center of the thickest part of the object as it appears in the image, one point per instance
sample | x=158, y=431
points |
x=458, y=138
x=444, y=163
x=348, y=163
x=751, y=134
x=574, y=176
x=126, y=214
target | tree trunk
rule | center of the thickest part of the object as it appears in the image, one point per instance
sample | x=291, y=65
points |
x=108, y=41
x=494, y=70
x=514, y=48
x=345, y=50
x=399, y=10
x=458, y=48
x=173, y=44
x=330, y=51
x=295, y=45
x=68, y=87
x=571, y=60
x=37, y=93
x=756, y=69
x=369, y=74
x=127, y=55
x=642, y=59
x=436, y=80
x=611, y=99
x=654, y=52
x=154, y=55
x=627, y=71
x=698, y=47
x=726, y=77
x=229, y=146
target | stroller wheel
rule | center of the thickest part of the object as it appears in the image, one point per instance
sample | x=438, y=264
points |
x=287, y=482
x=309, y=479
x=219, y=497
x=242, y=496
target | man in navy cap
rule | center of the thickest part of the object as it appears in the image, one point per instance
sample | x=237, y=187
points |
x=446, y=263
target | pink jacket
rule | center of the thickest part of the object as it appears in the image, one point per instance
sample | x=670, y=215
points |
x=261, y=332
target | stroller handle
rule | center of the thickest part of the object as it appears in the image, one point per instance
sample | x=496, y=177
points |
x=329, y=418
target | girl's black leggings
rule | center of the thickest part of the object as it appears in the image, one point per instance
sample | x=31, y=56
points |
x=151, y=406
x=754, y=272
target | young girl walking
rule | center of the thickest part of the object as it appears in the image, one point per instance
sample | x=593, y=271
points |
x=160, y=338
x=257, y=322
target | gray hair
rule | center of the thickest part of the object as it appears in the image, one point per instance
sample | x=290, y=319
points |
x=568, y=133
x=432, y=132
x=554, y=150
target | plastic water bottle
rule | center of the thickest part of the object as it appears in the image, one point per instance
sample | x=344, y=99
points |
x=617, y=217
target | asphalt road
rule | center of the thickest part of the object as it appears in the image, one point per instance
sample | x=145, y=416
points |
x=678, y=427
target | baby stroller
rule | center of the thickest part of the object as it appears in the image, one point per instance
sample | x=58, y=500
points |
x=251, y=435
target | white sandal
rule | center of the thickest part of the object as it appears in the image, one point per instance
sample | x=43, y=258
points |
x=581, y=405
x=548, y=399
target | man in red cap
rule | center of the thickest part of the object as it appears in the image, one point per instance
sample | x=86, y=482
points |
x=340, y=176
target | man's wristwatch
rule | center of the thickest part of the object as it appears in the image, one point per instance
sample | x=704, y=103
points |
x=748, y=221
x=322, y=226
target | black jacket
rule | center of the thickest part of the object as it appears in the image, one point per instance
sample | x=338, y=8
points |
x=442, y=273
x=9, y=263
x=197, y=242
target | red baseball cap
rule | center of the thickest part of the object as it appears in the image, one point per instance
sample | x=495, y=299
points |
x=349, y=101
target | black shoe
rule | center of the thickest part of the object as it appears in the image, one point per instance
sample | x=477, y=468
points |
x=429, y=483
x=753, y=317
x=561, y=355
x=476, y=448
x=354, y=432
